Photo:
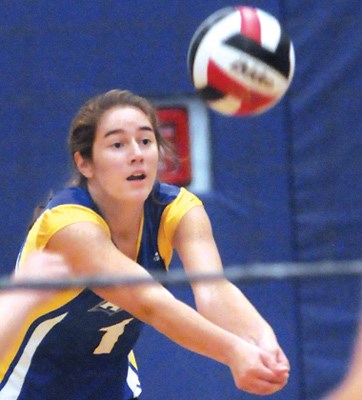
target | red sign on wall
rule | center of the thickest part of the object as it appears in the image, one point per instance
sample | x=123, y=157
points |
x=174, y=127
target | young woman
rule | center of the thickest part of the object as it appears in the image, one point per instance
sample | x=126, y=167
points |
x=118, y=219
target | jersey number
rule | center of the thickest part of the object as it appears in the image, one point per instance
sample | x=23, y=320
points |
x=111, y=336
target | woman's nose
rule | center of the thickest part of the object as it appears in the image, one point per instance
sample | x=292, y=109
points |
x=136, y=152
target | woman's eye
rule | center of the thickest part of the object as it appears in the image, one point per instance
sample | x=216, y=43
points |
x=146, y=141
x=117, y=145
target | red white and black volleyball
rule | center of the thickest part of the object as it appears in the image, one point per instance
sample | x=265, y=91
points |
x=241, y=61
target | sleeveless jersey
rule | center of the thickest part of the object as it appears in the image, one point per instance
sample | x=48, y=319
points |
x=78, y=346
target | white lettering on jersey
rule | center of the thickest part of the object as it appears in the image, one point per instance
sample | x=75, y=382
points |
x=107, y=307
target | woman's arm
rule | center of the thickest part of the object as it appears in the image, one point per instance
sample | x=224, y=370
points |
x=221, y=301
x=89, y=251
x=15, y=305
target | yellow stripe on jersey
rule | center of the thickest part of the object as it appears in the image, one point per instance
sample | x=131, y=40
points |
x=171, y=217
x=132, y=359
x=51, y=221
x=139, y=237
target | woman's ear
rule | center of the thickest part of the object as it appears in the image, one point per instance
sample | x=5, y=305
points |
x=83, y=164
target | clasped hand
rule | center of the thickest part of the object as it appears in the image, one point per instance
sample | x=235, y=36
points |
x=258, y=370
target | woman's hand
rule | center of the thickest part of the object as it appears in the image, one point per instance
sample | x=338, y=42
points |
x=17, y=304
x=41, y=265
x=269, y=344
x=255, y=370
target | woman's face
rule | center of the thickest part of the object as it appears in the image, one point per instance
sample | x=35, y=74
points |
x=125, y=155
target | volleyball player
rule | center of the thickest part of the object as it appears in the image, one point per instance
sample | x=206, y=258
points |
x=117, y=218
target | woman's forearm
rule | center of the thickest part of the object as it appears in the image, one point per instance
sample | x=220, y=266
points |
x=241, y=317
x=182, y=324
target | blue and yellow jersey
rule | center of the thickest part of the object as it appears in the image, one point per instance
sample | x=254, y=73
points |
x=77, y=345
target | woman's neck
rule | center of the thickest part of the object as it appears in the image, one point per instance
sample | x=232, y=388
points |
x=123, y=217
x=125, y=222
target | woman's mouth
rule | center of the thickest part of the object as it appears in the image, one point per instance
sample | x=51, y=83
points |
x=136, y=177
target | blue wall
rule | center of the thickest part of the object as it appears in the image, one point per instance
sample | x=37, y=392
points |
x=287, y=184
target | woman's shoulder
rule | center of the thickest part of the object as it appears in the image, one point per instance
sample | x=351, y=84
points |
x=67, y=207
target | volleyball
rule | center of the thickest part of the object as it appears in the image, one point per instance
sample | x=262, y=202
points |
x=241, y=61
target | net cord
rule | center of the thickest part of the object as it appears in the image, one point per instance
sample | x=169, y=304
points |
x=236, y=273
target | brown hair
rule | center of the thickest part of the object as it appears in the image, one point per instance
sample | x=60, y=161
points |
x=84, y=125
